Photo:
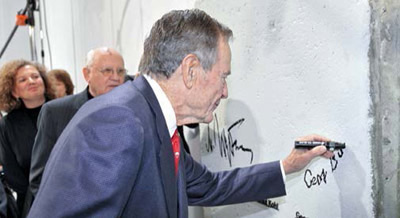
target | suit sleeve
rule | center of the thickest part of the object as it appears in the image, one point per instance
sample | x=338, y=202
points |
x=257, y=182
x=44, y=142
x=93, y=166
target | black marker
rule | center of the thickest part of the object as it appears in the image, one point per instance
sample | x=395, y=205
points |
x=331, y=145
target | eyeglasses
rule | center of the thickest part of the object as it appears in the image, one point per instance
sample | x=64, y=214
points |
x=110, y=71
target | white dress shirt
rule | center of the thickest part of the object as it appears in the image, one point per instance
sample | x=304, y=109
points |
x=165, y=104
x=168, y=111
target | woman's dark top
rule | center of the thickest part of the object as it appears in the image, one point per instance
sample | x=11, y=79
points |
x=17, y=135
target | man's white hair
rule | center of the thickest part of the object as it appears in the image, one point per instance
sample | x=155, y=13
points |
x=91, y=54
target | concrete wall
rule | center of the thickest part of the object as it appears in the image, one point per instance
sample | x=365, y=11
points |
x=329, y=67
x=385, y=94
x=298, y=67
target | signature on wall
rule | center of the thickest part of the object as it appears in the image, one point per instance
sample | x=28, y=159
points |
x=270, y=204
x=334, y=161
x=298, y=215
x=225, y=140
x=311, y=179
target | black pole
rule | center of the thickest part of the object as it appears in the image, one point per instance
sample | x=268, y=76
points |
x=8, y=40
x=13, y=32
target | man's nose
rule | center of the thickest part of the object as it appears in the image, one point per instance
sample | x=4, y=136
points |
x=225, y=91
x=115, y=75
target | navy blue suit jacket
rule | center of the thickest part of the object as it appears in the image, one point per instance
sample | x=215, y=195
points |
x=53, y=118
x=115, y=159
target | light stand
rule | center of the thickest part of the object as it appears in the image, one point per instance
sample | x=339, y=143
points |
x=31, y=23
x=23, y=19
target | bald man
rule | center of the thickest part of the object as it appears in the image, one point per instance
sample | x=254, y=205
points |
x=104, y=71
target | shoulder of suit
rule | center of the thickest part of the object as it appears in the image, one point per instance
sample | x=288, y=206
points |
x=74, y=101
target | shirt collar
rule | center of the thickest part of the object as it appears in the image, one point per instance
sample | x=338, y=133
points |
x=90, y=96
x=165, y=104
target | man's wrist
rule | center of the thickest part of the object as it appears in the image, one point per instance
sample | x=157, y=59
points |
x=287, y=168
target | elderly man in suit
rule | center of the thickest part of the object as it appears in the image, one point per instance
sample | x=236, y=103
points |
x=104, y=71
x=116, y=157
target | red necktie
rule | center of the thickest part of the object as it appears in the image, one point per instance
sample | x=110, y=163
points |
x=176, y=149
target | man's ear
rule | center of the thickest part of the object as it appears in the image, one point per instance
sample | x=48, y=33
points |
x=190, y=68
x=86, y=73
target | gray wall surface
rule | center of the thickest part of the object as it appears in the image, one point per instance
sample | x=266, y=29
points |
x=385, y=94
x=298, y=67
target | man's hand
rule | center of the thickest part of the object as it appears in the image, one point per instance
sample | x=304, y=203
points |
x=299, y=158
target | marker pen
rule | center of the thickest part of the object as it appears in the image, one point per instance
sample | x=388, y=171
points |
x=330, y=145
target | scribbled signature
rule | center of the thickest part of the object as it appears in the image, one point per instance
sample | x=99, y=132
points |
x=311, y=180
x=318, y=179
x=226, y=142
x=270, y=204
x=335, y=162
x=298, y=215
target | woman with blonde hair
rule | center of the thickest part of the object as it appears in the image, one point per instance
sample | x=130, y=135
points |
x=23, y=91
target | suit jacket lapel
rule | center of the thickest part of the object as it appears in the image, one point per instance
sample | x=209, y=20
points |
x=81, y=98
x=165, y=150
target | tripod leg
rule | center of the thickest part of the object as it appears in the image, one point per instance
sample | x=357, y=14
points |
x=8, y=40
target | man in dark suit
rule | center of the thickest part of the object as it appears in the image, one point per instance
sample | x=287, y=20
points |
x=116, y=159
x=104, y=71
